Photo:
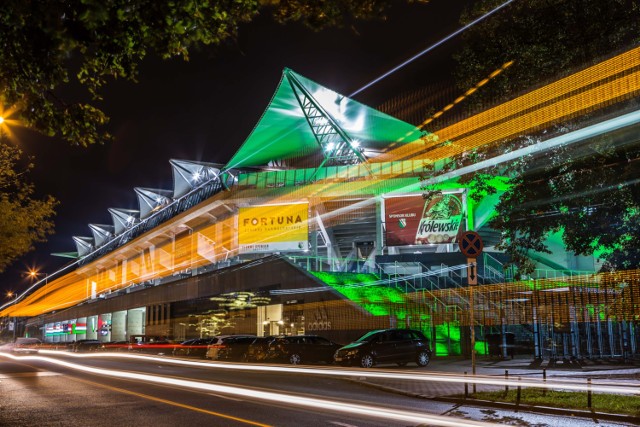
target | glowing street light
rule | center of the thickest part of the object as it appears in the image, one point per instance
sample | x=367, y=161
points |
x=14, y=295
x=33, y=274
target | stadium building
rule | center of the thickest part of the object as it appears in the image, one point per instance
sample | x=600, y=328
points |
x=318, y=224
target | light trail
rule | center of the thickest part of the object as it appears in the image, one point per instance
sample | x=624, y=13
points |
x=562, y=140
x=280, y=398
x=430, y=48
x=564, y=384
x=468, y=93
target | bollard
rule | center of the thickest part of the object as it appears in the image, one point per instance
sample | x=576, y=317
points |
x=589, y=393
x=519, y=393
x=466, y=387
x=506, y=386
x=544, y=381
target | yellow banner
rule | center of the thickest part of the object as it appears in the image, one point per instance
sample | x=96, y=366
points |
x=273, y=228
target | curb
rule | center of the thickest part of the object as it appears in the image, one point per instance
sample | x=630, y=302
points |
x=595, y=416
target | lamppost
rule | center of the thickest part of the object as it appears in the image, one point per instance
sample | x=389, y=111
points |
x=14, y=295
x=33, y=274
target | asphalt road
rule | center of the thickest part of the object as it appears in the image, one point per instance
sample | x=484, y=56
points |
x=36, y=392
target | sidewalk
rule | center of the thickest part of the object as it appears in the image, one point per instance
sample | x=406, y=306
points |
x=526, y=366
x=603, y=373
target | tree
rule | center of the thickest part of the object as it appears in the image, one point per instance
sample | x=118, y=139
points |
x=589, y=194
x=50, y=47
x=24, y=219
x=57, y=56
x=546, y=39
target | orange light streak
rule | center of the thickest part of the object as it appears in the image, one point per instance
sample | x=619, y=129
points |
x=603, y=84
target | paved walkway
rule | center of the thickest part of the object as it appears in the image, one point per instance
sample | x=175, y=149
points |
x=526, y=368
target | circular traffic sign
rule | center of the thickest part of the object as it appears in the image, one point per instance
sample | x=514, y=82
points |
x=471, y=244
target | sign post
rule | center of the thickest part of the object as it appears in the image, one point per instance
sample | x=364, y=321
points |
x=471, y=246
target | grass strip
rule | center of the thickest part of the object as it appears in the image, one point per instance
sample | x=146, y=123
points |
x=606, y=403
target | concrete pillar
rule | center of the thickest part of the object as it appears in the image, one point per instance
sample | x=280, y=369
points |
x=119, y=326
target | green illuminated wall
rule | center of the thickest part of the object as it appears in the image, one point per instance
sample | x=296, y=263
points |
x=379, y=300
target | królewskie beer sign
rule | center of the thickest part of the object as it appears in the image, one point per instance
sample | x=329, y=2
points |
x=272, y=228
x=413, y=220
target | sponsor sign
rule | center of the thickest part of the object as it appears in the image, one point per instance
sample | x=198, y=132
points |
x=273, y=228
x=412, y=220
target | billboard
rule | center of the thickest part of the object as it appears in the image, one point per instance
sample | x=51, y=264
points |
x=412, y=220
x=273, y=228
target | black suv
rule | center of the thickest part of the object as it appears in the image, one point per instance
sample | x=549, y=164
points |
x=399, y=346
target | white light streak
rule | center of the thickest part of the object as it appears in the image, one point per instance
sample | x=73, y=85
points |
x=430, y=48
x=566, y=139
x=331, y=405
x=564, y=384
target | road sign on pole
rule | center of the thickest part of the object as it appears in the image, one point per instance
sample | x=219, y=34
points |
x=472, y=273
x=471, y=244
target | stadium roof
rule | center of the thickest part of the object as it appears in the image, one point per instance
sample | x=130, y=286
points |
x=301, y=116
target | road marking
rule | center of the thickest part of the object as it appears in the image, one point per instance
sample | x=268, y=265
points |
x=225, y=397
x=341, y=424
x=169, y=402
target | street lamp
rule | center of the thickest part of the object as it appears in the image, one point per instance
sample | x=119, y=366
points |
x=14, y=295
x=33, y=274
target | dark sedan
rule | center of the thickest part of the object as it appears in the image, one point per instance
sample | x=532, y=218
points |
x=84, y=346
x=258, y=349
x=235, y=348
x=159, y=348
x=399, y=346
x=302, y=349
x=196, y=347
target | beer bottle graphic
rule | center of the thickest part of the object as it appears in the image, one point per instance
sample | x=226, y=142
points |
x=440, y=220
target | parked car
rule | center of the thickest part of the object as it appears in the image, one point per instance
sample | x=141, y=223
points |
x=235, y=348
x=399, y=346
x=220, y=342
x=84, y=346
x=258, y=349
x=26, y=345
x=159, y=347
x=196, y=347
x=302, y=349
x=112, y=346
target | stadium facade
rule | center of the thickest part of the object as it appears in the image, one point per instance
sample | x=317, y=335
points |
x=318, y=224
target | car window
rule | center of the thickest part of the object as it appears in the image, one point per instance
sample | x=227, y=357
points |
x=372, y=336
x=391, y=336
x=418, y=336
x=405, y=335
x=321, y=341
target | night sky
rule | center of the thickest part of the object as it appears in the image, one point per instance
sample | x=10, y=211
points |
x=205, y=108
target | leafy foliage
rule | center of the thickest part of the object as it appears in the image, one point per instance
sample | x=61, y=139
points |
x=546, y=39
x=24, y=219
x=590, y=194
x=587, y=194
x=53, y=46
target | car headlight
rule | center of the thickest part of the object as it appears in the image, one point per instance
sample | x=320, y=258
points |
x=352, y=352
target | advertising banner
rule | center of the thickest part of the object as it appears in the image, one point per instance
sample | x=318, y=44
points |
x=412, y=220
x=273, y=228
